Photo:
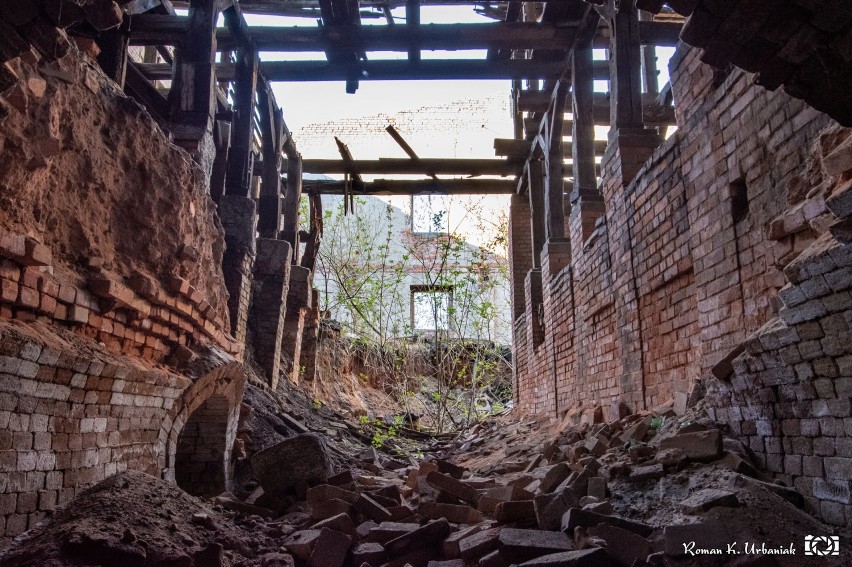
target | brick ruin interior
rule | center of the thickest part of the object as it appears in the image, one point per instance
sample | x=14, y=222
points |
x=153, y=271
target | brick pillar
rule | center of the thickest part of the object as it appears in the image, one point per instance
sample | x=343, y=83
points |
x=299, y=296
x=266, y=320
x=555, y=256
x=310, y=338
x=628, y=149
x=238, y=219
x=520, y=260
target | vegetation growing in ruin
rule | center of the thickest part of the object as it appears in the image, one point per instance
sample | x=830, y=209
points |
x=452, y=373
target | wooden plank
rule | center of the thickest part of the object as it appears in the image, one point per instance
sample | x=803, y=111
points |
x=510, y=147
x=536, y=101
x=429, y=166
x=144, y=92
x=388, y=70
x=418, y=187
x=397, y=137
x=113, y=56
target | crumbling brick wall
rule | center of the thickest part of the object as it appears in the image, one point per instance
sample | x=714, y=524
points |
x=114, y=327
x=73, y=413
x=678, y=270
x=788, y=393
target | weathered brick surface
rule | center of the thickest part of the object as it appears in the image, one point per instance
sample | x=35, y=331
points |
x=72, y=417
x=680, y=270
x=672, y=277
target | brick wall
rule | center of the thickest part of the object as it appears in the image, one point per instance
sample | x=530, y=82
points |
x=73, y=413
x=744, y=210
x=674, y=274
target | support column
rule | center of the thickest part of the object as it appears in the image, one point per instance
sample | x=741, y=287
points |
x=192, y=97
x=266, y=321
x=299, y=301
x=586, y=200
x=310, y=339
x=272, y=130
x=535, y=171
x=238, y=219
x=290, y=207
x=240, y=162
x=628, y=137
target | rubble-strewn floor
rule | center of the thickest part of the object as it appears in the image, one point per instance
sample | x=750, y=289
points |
x=649, y=489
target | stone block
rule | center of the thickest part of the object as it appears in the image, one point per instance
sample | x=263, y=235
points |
x=286, y=465
x=515, y=511
x=426, y=536
x=452, y=512
x=519, y=545
x=586, y=519
x=706, y=499
x=833, y=490
x=698, y=446
x=273, y=257
x=593, y=557
x=330, y=549
x=452, y=487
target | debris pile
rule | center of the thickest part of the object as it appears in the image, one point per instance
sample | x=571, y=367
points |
x=651, y=488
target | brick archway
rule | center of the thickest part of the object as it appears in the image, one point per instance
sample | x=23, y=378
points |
x=202, y=457
x=198, y=435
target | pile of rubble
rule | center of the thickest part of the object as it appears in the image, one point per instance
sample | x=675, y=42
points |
x=652, y=488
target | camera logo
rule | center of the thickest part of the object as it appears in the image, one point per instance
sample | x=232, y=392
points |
x=822, y=545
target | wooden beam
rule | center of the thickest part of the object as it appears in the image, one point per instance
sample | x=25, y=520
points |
x=429, y=166
x=535, y=171
x=433, y=69
x=537, y=101
x=653, y=115
x=553, y=207
x=312, y=244
x=625, y=67
x=239, y=166
x=419, y=187
x=272, y=132
x=158, y=29
x=412, y=26
x=397, y=137
x=191, y=96
x=520, y=149
x=583, y=131
x=290, y=205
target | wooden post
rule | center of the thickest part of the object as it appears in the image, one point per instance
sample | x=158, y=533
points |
x=113, y=56
x=315, y=236
x=290, y=206
x=412, y=18
x=625, y=68
x=239, y=170
x=192, y=96
x=555, y=183
x=583, y=133
x=535, y=171
x=649, y=61
x=272, y=131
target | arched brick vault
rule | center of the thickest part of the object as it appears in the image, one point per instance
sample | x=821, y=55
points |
x=214, y=374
